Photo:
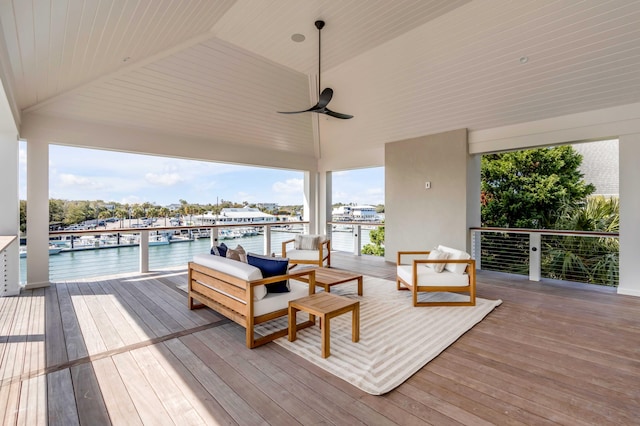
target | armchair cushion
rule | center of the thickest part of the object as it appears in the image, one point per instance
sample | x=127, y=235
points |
x=456, y=268
x=271, y=267
x=437, y=255
x=306, y=242
x=429, y=277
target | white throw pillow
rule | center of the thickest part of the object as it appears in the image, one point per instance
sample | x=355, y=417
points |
x=306, y=242
x=457, y=268
x=437, y=255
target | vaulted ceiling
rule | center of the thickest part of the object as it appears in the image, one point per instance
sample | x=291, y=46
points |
x=220, y=69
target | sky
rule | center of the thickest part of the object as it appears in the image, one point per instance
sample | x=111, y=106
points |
x=89, y=174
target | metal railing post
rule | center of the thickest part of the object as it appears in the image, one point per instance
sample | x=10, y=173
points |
x=476, y=242
x=213, y=236
x=144, y=251
x=535, y=240
x=357, y=240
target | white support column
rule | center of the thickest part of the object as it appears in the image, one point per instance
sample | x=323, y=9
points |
x=325, y=192
x=144, y=251
x=310, y=206
x=10, y=212
x=267, y=240
x=535, y=242
x=629, y=152
x=37, y=214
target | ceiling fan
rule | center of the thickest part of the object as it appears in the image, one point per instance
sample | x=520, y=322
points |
x=325, y=96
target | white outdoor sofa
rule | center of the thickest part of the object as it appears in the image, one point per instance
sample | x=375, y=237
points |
x=237, y=290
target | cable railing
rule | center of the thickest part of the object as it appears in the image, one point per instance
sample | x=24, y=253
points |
x=579, y=256
x=350, y=236
x=90, y=253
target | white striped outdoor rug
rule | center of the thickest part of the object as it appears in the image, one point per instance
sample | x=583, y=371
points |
x=396, y=339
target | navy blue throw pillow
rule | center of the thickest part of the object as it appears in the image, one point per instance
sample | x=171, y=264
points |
x=220, y=250
x=270, y=267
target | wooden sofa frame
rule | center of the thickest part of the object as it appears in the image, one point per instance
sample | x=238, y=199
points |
x=415, y=289
x=238, y=308
x=323, y=254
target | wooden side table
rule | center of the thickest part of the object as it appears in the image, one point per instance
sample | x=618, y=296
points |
x=328, y=277
x=325, y=306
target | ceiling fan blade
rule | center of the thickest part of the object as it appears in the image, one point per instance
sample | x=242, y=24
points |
x=337, y=114
x=325, y=98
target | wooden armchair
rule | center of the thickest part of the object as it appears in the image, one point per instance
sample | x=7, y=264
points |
x=309, y=256
x=459, y=276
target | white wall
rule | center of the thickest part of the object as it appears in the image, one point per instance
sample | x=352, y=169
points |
x=418, y=218
x=629, y=211
x=93, y=135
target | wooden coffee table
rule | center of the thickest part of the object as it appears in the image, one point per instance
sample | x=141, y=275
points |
x=326, y=306
x=328, y=277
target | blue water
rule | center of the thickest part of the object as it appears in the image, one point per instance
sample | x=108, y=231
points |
x=93, y=263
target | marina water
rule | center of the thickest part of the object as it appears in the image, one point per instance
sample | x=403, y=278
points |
x=73, y=265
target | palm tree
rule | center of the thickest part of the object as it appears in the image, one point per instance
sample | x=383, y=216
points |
x=585, y=259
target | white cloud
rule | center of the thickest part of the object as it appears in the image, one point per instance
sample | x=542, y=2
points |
x=165, y=179
x=67, y=179
x=289, y=186
x=132, y=199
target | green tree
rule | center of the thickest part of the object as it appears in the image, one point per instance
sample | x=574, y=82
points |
x=526, y=189
x=376, y=248
x=23, y=216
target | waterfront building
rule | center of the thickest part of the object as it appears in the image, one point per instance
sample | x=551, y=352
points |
x=236, y=215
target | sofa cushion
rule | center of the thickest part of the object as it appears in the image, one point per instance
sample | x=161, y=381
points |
x=234, y=268
x=454, y=254
x=220, y=250
x=237, y=253
x=429, y=277
x=437, y=255
x=271, y=267
x=302, y=254
x=306, y=242
x=276, y=301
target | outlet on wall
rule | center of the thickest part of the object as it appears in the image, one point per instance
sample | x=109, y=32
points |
x=427, y=185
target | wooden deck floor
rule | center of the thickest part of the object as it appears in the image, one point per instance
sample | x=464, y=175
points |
x=127, y=351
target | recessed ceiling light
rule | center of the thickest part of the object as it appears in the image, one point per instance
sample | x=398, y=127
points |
x=298, y=38
x=524, y=59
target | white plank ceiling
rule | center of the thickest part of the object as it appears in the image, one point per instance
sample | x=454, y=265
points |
x=220, y=69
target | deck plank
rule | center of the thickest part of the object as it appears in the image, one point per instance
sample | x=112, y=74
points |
x=239, y=410
x=146, y=401
x=106, y=328
x=147, y=321
x=197, y=395
x=552, y=353
x=124, y=324
x=272, y=382
x=90, y=330
x=74, y=340
x=56, y=352
x=61, y=402
x=173, y=399
x=89, y=402
x=119, y=404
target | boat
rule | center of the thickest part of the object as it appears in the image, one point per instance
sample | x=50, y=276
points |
x=158, y=240
x=52, y=250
